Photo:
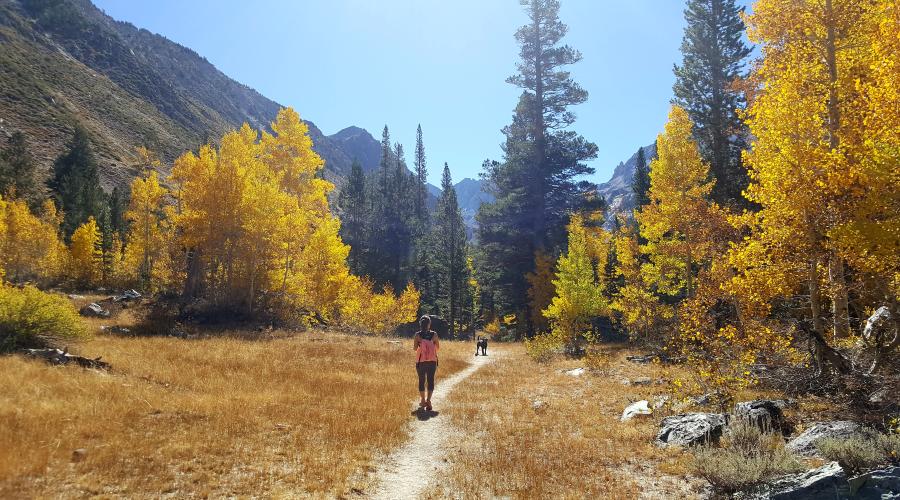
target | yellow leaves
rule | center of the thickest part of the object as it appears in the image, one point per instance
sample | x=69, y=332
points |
x=29, y=246
x=379, y=313
x=682, y=227
x=541, y=290
x=147, y=257
x=580, y=281
x=86, y=255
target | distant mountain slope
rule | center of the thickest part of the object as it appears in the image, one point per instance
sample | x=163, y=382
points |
x=358, y=143
x=471, y=195
x=617, y=190
x=64, y=62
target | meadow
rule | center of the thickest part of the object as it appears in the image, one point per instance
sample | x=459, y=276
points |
x=284, y=415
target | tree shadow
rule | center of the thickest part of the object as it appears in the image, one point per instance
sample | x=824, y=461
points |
x=424, y=415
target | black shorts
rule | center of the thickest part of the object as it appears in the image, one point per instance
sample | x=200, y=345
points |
x=426, y=371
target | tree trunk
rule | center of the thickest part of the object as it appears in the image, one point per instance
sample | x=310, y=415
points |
x=839, y=309
x=824, y=354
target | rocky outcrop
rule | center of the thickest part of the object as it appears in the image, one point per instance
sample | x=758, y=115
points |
x=828, y=481
x=691, y=429
x=805, y=443
x=880, y=484
x=762, y=413
x=93, y=310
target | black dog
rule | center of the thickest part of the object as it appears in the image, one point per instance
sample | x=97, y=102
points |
x=481, y=344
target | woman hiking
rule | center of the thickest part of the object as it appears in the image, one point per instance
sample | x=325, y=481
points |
x=426, y=345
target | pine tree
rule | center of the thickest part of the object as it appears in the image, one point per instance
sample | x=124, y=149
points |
x=421, y=192
x=640, y=184
x=378, y=264
x=535, y=186
x=18, y=172
x=714, y=58
x=76, y=183
x=352, y=202
x=449, y=238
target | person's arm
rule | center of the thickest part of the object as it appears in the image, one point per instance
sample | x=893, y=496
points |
x=416, y=340
x=437, y=343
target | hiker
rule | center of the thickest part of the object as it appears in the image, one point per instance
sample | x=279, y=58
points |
x=426, y=344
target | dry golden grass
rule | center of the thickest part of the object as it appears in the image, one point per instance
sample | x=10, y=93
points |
x=573, y=446
x=288, y=416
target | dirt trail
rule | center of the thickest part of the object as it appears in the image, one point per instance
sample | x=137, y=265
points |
x=407, y=471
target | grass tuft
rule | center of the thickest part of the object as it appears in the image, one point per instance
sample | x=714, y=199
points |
x=861, y=452
x=748, y=457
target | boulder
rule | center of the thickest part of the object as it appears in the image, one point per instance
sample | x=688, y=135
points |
x=641, y=408
x=805, y=443
x=93, y=310
x=538, y=405
x=877, y=323
x=762, y=413
x=576, y=372
x=691, y=429
x=640, y=359
x=827, y=481
x=881, y=484
x=126, y=296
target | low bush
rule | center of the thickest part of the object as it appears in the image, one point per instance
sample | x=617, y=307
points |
x=748, y=457
x=30, y=318
x=861, y=452
x=543, y=347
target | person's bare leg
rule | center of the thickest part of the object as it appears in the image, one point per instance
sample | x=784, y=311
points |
x=423, y=401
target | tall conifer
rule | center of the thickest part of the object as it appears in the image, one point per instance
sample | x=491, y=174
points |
x=714, y=58
x=449, y=238
x=76, y=183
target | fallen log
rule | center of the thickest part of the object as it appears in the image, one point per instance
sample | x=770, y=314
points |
x=60, y=357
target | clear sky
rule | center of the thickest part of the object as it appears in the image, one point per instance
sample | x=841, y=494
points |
x=441, y=63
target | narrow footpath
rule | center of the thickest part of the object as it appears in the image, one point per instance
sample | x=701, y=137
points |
x=407, y=472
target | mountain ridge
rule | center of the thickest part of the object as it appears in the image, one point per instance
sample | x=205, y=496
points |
x=65, y=62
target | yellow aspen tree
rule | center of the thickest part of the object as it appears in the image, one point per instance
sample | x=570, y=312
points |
x=869, y=240
x=86, y=254
x=681, y=225
x=255, y=219
x=3, y=238
x=580, y=284
x=540, y=290
x=806, y=162
x=57, y=255
x=638, y=307
x=31, y=247
x=146, y=257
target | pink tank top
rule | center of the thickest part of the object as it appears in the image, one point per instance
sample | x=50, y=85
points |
x=427, y=351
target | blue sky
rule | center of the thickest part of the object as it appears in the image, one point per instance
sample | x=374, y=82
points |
x=436, y=62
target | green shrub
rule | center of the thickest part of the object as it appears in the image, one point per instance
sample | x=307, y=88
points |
x=747, y=458
x=30, y=318
x=861, y=452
